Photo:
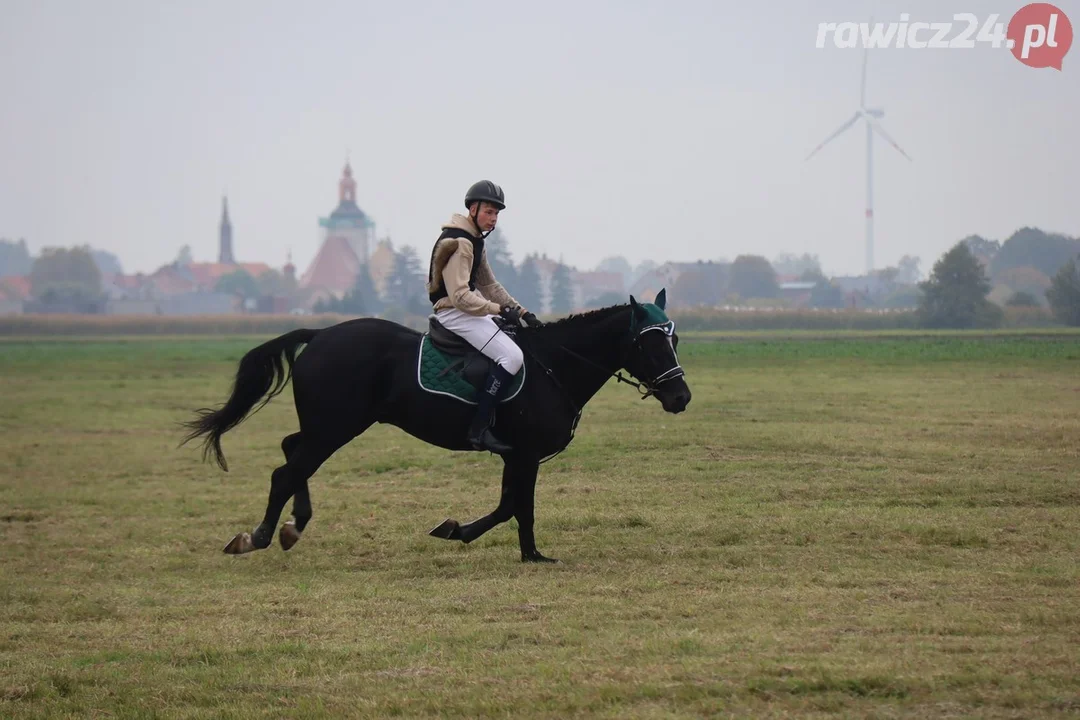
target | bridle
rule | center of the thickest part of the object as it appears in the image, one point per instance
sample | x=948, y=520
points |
x=673, y=372
x=645, y=389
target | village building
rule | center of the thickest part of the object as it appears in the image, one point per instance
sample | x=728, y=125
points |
x=347, y=239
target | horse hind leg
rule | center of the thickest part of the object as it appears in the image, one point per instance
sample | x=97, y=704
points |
x=259, y=539
x=290, y=531
x=289, y=534
x=304, y=458
x=290, y=443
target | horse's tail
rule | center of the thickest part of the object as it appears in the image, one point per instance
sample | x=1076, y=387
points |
x=261, y=373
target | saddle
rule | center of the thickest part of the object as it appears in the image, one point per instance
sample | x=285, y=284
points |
x=449, y=365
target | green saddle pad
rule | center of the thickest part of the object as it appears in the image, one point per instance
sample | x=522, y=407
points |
x=433, y=376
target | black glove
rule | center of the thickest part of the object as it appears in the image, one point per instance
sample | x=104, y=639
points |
x=531, y=320
x=511, y=314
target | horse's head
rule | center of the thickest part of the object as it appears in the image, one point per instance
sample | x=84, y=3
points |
x=651, y=357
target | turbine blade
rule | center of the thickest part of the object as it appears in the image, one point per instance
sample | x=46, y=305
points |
x=881, y=131
x=839, y=130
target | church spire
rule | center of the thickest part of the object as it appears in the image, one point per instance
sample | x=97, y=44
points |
x=347, y=186
x=225, y=251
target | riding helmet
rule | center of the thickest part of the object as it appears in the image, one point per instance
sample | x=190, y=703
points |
x=486, y=191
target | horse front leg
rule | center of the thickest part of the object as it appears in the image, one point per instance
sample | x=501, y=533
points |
x=524, y=504
x=452, y=530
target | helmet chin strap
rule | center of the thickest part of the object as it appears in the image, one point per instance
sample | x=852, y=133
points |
x=475, y=215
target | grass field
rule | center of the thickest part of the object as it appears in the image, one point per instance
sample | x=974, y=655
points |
x=870, y=526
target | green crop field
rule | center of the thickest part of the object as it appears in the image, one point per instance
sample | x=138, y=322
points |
x=875, y=525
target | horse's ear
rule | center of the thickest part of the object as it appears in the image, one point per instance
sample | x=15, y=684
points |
x=661, y=298
x=639, y=312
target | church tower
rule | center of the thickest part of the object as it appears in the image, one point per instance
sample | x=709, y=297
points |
x=347, y=239
x=225, y=251
x=348, y=221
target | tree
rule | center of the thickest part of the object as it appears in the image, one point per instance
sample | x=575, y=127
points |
x=955, y=294
x=500, y=260
x=692, y=289
x=905, y=296
x=826, y=295
x=562, y=290
x=361, y=299
x=790, y=264
x=68, y=274
x=405, y=286
x=909, y=272
x=886, y=281
x=274, y=282
x=1025, y=279
x=530, y=292
x=1022, y=299
x=606, y=300
x=981, y=248
x=106, y=262
x=364, y=289
x=1032, y=247
x=617, y=264
x=753, y=277
x=14, y=258
x=1064, y=294
x=705, y=284
x=238, y=282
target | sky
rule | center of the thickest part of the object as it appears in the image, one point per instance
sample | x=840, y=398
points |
x=664, y=131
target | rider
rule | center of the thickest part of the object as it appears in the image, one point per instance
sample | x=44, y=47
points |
x=465, y=294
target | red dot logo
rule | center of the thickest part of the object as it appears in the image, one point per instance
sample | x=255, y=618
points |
x=1039, y=35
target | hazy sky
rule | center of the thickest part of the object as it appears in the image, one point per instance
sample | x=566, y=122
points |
x=672, y=130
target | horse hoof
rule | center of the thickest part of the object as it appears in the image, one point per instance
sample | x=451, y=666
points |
x=447, y=530
x=537, y=558
x=288, y=535
x=240, y=544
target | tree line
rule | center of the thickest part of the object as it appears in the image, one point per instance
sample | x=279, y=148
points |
x=957, y=293
x=967, y=286
x=405, y=290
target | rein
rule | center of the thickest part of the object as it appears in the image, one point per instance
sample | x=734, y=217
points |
x=566, y=393
x=645, y=389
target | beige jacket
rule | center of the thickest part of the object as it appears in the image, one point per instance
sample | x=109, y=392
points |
x=451, y=263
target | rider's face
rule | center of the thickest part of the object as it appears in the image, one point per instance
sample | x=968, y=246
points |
x=487, y=216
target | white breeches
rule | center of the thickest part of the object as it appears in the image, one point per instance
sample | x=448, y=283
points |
x=482, y=333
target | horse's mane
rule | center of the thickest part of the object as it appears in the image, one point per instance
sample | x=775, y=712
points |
x=572, y=321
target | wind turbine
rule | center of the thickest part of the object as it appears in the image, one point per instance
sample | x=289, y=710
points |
x=871, y=116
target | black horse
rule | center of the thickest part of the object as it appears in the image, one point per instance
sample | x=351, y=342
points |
x=364, y=371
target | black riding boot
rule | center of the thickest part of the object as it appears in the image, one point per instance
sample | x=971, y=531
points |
x=495, y=388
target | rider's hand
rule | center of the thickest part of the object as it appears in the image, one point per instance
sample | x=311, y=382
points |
x=511, y=314
x=531, y=320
